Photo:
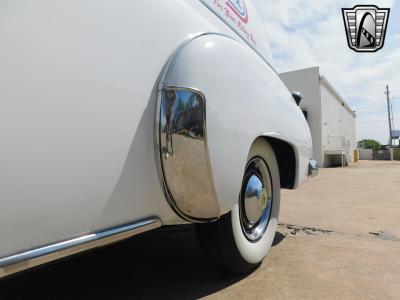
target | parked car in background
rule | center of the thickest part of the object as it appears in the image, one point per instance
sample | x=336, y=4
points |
x=118, y=117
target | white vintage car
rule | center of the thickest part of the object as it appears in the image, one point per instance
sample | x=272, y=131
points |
x=118, y=117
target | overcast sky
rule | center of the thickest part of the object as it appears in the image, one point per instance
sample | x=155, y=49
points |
x=305, y=33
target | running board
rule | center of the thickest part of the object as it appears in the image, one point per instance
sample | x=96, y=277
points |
x=32, y=258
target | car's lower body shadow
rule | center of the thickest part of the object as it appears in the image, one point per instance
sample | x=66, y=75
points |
x=166, y=263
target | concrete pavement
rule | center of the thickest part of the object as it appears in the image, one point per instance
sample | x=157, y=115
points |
x=339, y=238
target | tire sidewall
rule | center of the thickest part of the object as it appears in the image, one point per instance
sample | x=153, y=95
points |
x=254, y=252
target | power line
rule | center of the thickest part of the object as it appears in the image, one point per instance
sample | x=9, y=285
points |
x=376, y=121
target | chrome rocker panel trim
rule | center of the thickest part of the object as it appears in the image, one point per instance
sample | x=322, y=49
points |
x=32, y=258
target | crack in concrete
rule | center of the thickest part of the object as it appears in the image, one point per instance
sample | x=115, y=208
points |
x=296, y=230
x=385, y=236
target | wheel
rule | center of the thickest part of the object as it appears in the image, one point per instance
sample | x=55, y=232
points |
x=240, y=239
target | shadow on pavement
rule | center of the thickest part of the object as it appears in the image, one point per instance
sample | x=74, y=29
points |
x=278, y=238
x=163, y=264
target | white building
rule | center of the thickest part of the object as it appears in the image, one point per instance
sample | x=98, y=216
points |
x=331, y=120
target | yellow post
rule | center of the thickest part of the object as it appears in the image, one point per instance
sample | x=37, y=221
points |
x=355, y=155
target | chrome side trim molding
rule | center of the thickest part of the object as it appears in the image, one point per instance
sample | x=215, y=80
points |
x=35, y=257
x=183, y=149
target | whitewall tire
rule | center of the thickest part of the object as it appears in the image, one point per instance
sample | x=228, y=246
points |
x=240, y=240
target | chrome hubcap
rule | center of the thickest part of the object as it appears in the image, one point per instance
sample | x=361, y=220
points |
x=256, y=200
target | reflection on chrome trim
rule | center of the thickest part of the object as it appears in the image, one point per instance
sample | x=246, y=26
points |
x=313, y=168
x=184, y=154
x=32, y=258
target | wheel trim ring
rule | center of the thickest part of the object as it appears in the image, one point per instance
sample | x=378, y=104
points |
x=254, y=232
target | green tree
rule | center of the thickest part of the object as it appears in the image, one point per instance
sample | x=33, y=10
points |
x=369, y=144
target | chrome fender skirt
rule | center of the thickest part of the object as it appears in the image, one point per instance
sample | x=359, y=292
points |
x=184, y=157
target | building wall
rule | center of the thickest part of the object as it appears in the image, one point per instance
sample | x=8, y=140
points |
x=338, y=122
x=350, y=132
x=330, y=119
x=306, y=81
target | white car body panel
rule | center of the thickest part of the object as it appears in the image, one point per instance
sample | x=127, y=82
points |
x=232, y=123
x=241, y=17
x=78, y=89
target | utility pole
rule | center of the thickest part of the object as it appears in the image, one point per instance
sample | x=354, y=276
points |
x=394, y=129
x=389, y=117
x=390, y=123
x=392, y=115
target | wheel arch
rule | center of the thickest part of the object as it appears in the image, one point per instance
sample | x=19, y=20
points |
x=243, y=102
x=287, y=161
